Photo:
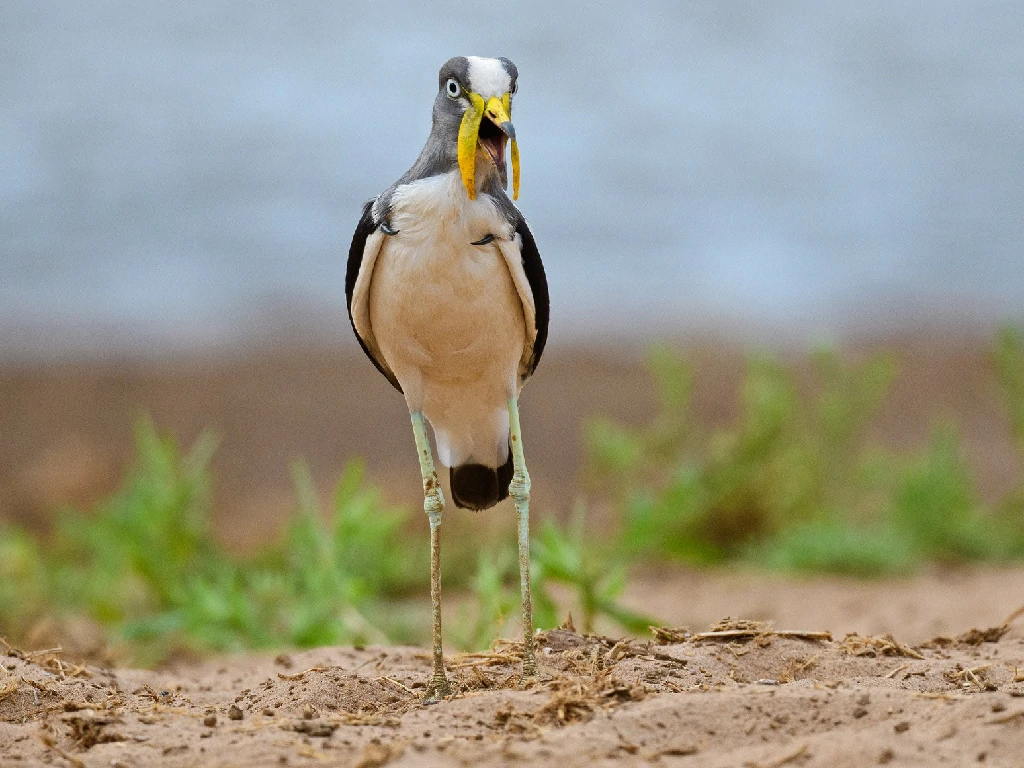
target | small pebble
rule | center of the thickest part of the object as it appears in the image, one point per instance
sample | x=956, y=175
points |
x=211, y=720
x=234, y=713
x=316, y=728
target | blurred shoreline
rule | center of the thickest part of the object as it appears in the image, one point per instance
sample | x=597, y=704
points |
x=283, y=325
x=67, y=423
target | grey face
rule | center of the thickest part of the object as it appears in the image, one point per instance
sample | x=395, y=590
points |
x=459, y=76
x=487, y=77
x=483, y=76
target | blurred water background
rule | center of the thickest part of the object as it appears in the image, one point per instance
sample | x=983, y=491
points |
x=178, y=176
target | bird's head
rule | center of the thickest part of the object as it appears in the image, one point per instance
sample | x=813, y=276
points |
x=475, y=94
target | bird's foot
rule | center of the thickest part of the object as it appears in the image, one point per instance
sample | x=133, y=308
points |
x=438, y=688
x=529, y=678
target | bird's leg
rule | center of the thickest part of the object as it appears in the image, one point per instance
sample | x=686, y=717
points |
x=433, y=504
x=520, y=490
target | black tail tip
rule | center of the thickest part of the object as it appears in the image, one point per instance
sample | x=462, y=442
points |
x=478, y=487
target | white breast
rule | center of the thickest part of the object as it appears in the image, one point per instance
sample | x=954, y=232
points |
x=447, y=317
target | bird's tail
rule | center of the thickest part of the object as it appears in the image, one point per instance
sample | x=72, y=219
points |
x=477, y=487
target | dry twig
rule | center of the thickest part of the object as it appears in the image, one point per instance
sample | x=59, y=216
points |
x=780, y=761
x=8, y=687
x=1014, y=616
x=896, y=671
x=966, y=677
x=303, y=673
x=670, y=635
x=1006, y=718
x=881, y=645
x=482, y=659
x=393, y=682
x=733, y=629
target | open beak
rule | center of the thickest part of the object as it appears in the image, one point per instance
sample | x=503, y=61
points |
x=488, y=126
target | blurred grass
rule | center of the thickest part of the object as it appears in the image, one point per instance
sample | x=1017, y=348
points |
x=795, y=483
x=146, y=566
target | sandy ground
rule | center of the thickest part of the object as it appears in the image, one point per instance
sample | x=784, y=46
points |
x=751, y=697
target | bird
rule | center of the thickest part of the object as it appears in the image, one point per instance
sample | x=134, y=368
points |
x=448, y=298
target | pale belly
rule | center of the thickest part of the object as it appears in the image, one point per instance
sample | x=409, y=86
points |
x=450, y=324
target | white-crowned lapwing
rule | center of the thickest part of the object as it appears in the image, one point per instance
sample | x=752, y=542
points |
x=447, y=295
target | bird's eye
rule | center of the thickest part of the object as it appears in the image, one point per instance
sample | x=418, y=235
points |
x=453, y=88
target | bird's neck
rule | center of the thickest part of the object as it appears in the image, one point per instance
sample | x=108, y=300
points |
x=439, y=156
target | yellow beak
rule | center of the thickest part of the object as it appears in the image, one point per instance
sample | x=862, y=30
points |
x=498, y=111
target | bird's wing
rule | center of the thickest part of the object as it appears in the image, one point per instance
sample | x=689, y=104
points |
x=527, y=271
x=362, y=255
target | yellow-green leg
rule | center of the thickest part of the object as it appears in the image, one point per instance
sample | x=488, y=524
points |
x=520, y=492
x=433, y=505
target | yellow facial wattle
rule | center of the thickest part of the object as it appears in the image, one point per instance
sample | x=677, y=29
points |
x=499, y=112
x=469, y=130
x=506, y=102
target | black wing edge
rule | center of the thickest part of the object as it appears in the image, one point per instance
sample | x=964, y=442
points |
x=364, y=229
x=535, y=276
